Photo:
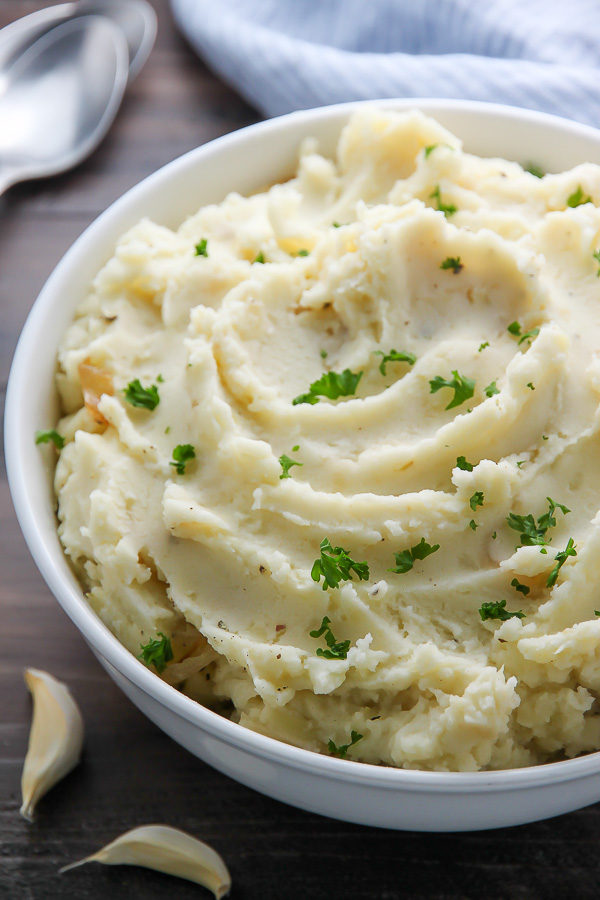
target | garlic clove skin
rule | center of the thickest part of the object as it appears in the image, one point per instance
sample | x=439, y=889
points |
x=55, y=739
x=168, y=850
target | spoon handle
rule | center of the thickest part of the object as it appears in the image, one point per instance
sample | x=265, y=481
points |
x=7, y=179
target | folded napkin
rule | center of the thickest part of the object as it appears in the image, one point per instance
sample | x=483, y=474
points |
x=283, y=55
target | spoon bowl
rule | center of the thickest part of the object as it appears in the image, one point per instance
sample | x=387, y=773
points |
x=59, y=97
x=135, y=18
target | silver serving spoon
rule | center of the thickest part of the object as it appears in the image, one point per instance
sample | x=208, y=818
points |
x=59, y=97
x=135, y=18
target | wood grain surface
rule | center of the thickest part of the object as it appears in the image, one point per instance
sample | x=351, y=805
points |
x=132, y=773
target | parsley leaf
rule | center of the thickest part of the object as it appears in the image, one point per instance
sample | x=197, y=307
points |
x=452, y=262
x=395, y=356
x=515, y=329
x=429, y=149
x=473, y=525
x=324, y=354
x=42, y=437
x=497, y=610
x=531, y=385
x=561, y=558
x=182, y=454
x=335, y=649
x=342, y=750
x=462, y=386
x=157, y=653
x=286, y=464
x=491, y=389
x=259, y=258
x=461, y=463
x=547, y=520
x=534, y=170
x=596, y=256
x=146, y=398
x=483, y=346
x=335, y=565
x=577, y=198
x=476, y=500
x=447, y=208
x=406, y=559
x=522, y=588
x=202, y=248
x=533, y=533
x=331, y=385
x=303, y=253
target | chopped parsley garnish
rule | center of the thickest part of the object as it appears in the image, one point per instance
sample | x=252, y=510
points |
x=521, y=588
x=146, y=398
x=476, y=500
x=286, y=464
x=534, y=533
x=406, y=559
x=335, y=649
x=182, y=454
x=597, y=612
x=42, y=437
x=596, y=256
x=331, y=385
x=483, y=346
x=515, y=329
x=324, y=354
x=335, y=565
x=473, y=525
x=447, y=208
x=395, y=356
x=160, y=379
x=303, y=253
x=461, y=463
x=259, y=258
x=578, y=198
x=337, y=224
x=561, y=558
x=496, y=609
x=544, y=437
x=462, y=386
x=167, y=429
x=452, y=262
x=342, y=750
x=520, y=463
x=202, y=248
x=157, y=652
x=491, y=389
x=431, y=148
x=534, y=170
x=530, y=385
x=494, y=536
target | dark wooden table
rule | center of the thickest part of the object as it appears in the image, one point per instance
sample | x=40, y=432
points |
x=132, y=773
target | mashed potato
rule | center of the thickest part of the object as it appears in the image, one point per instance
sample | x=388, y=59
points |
x=365, y=507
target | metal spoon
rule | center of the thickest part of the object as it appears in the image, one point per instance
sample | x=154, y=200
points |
x=59, y=97
x=135, y=18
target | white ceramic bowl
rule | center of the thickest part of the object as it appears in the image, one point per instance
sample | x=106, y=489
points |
x=245, y=161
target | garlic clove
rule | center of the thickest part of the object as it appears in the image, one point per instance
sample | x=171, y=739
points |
x=55, y=739
x=169, y=850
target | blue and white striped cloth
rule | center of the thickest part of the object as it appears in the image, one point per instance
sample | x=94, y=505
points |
x=283, y=55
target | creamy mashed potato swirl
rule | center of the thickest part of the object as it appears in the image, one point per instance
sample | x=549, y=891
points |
x=402, y=243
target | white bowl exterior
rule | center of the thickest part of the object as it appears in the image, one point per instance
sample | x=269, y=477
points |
x=245, y=161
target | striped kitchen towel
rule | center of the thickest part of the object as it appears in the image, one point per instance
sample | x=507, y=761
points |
x=283, y=55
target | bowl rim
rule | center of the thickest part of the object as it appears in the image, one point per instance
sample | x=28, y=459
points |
x=72, y=600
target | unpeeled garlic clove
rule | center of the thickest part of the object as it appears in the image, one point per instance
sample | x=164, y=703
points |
x=55, y=739
x=169, y=850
